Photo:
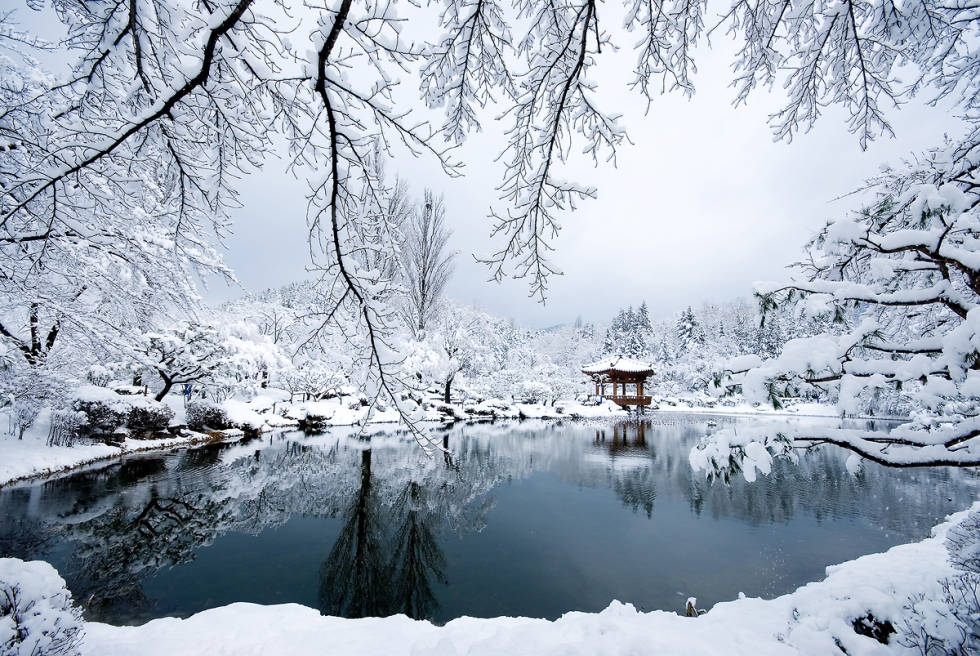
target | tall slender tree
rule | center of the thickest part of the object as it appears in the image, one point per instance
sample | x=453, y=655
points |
x=427, y=263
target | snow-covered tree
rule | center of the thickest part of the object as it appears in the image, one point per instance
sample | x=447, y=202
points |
x=769, y=339
x=94, y=255
x=182, y=356
x=456, y=341
x=427, y=264
x=629, y=333
x=131, y=163
x=690, y=332
x=899, y=284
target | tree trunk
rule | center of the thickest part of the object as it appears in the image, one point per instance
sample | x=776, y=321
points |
x=167, y=384
x=449, y=384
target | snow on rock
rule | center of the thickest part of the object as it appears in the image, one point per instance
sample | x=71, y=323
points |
x=449, y=411
x=36, y=611
x=817, y=619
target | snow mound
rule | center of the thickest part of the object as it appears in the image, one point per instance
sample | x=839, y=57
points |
x=37, y=617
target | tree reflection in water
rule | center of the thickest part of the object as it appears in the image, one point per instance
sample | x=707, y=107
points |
x=386, y=557
x=417, y=556
x=114, y=553
x=354, y=578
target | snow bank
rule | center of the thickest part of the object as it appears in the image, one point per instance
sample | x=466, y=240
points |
x=37, y=617
x=31, y=456
x=816, y=619
x=606, y=410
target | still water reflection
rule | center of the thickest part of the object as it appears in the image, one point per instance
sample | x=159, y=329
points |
x=522, y=519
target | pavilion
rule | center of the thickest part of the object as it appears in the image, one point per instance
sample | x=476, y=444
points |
x=626, y=377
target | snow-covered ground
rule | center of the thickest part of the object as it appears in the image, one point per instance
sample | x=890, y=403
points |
x=816, y=619
x=31, y=456
x=702, y=403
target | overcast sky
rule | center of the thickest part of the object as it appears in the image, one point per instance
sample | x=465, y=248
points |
x=698, y=208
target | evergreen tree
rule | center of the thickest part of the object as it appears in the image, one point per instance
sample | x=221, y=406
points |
x=643, y=319
x=690, y=333
x=770, y=338
x=629, y=334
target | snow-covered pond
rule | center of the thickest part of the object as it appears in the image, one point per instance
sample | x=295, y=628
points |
x=527, y=519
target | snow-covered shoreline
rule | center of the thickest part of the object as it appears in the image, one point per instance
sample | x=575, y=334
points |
x=30, y=458
x=818, y=618
x=20, y=460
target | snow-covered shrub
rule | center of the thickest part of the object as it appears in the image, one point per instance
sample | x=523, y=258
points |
x=101, y=419
x=950, y=626
x=24, y=413
x=354, y=404
x=64, y=427
x=202, y=415
x=532, y=391
x=37, y=617
x=104, y=411
x=98, y=375
x=147, y=418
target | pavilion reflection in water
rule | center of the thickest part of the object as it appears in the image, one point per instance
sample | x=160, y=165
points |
x=623, y=437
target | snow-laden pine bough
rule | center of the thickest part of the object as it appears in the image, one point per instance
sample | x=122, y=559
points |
x=116, y=182
x=893, y=296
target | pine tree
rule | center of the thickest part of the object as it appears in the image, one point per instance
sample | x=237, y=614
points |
x=643, y=318
x=690, y=333
x=629, y=334
x=770, y=338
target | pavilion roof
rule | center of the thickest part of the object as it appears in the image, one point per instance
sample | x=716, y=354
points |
x=618, y=363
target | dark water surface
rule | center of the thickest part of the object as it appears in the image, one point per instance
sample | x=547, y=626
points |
x=525, y=519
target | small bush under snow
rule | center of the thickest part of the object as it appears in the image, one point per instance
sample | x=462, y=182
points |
x=202, y=415
x=104, y=410
x=64, y=427
x=37, y=617
x=950, y=625
x=147, y=418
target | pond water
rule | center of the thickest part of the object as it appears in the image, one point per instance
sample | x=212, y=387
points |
x=527, y=519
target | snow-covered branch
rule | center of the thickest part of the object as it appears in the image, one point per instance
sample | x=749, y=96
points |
x=898, y=284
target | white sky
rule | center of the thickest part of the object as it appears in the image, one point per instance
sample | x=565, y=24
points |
x=701, y=206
